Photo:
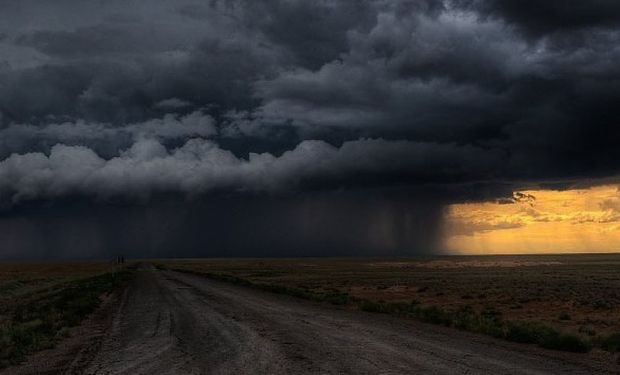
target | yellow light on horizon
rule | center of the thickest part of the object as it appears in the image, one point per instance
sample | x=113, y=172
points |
x=537, y=221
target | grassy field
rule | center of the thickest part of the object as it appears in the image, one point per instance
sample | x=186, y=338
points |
x=565, y=302
x=39, y=302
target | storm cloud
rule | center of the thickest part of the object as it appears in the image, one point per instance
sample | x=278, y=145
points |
x=280, y=101
x=201, y=166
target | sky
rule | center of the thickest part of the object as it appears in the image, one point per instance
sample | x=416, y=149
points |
x=544, y=221
x=300, y=128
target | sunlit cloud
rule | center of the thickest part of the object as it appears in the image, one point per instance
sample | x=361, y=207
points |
x=579, y=220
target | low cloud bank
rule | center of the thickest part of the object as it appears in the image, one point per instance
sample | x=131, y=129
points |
x=202, y=166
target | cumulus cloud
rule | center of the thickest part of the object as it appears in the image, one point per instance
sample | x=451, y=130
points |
x=200, y=166
x=105, y=137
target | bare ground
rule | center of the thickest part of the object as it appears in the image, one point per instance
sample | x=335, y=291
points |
x=173, y=323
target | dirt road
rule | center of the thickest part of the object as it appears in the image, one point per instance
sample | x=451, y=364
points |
x=175, y=323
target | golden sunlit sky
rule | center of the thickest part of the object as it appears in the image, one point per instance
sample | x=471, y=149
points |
x=538, y=221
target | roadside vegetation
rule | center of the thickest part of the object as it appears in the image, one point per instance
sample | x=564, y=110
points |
x=37, y=310
x=482, y=299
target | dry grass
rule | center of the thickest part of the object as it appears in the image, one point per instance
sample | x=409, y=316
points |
x=577, y=295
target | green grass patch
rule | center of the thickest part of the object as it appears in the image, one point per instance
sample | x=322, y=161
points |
x=611, y=343
x=39, y=323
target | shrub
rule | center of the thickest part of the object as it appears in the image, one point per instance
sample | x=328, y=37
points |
x=336, y=298
x=611, y=343
x=565, y=341
x=527, y=332
x=435, y=315
x=370, y=306
x=466, y=319
x=546, y=337
x=564, y=316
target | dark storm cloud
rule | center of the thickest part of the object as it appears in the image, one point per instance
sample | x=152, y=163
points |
x=118, y=69
x=460, y=77
x=541, y=17
x=312, y=33
x=103, y=138
x=127, y=89
x=99, y=40
x=469, y=99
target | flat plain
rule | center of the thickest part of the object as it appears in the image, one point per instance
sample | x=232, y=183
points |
x=492, y=314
